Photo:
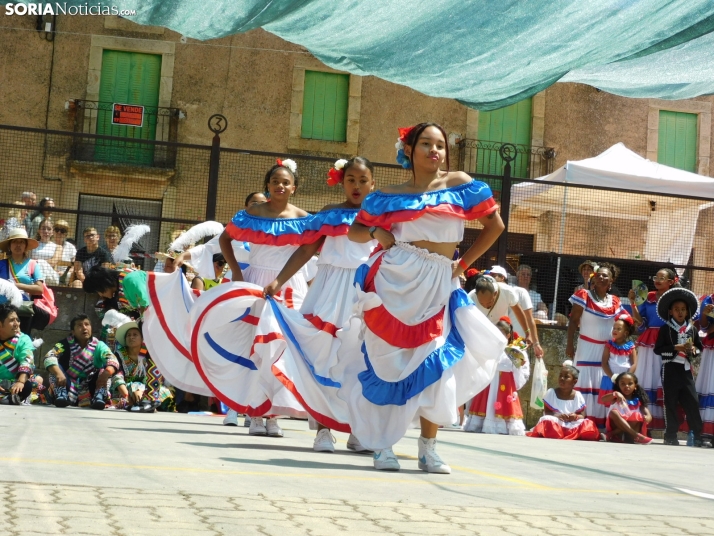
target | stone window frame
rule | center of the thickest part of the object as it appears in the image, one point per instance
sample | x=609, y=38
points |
x=704, y=127
x=167, y=50
x=295, y=139
x=537, y=123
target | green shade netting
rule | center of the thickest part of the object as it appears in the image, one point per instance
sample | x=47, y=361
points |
x=484, y=53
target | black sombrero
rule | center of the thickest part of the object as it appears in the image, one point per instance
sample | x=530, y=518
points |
x=677, y=294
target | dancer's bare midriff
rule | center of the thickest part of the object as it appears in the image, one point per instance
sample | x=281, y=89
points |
x=442, y=248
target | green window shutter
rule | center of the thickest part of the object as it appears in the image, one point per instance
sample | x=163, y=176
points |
x=324, y=110
x=677, y=140
x=128, y=78
x=511, y=124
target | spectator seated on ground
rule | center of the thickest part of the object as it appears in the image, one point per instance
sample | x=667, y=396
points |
x=80, y=367
x=564, y=415
x=139, y=385
x=16, y=358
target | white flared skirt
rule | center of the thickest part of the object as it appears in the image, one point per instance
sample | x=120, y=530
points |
x=310, y=342
x=167, y=331
x=416, y=346
x=233, y=346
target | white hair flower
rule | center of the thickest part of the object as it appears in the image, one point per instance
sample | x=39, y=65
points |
x=290, y=164
x=340, y=163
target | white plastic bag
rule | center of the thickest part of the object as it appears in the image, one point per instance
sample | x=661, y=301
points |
x=539, y=386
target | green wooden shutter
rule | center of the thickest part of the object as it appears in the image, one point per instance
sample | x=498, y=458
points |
x=324, y=110
x=677, y=143
x=128, y=78
x=511, y=124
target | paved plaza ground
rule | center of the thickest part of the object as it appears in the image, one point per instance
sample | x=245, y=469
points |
x=76, y=471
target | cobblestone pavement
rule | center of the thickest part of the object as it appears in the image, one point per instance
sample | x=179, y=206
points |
x=114, y=473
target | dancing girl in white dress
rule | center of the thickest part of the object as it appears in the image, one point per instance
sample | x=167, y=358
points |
x=417, y=347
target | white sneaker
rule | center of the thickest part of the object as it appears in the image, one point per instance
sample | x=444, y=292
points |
x=354, y=445
x=273, y=429
x=257, y=427
x=231, y=418
x=385, y=460
x=246, y=422
x=429, y=460
x=324, y=441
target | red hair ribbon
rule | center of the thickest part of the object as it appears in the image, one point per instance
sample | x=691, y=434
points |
x=471, y=272
x=404, y=132
x=626, y=318
x=506, y=319
x=335, y=176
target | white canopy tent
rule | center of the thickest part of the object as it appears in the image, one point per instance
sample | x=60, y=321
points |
x=619, y=168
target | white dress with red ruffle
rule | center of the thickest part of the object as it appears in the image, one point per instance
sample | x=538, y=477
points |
x=227, y=338
x=551, y=427
x=497, y=409
x=595, y=329
x=416, y=346
x=620, y=361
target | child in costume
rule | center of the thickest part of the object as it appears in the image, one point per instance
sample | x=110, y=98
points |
x=677, y=342
x=80, y=367
x=328, y=303
x=139, y=385
x=16, y=358
x=619, y=355
x=649, y=364
x=705, y=378
x=497, y=409
x=565, y=414
x=628, y=416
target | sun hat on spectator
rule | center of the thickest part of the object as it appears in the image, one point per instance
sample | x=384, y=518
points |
x=18, y=233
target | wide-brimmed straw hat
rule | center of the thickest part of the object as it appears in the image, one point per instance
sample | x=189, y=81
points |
x=120, y=335
x=18, y=233
x=673, y=295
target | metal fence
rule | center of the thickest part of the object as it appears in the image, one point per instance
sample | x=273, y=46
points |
x=552, y=228
x=482, y=157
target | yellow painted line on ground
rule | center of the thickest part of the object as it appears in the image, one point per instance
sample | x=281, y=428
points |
x=524, y=485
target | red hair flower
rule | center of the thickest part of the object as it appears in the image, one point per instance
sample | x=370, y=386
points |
x=279, y=161
x=506, y=319
x=337, y=173
x=471, y=272
x=404, y=132
x=626, y=318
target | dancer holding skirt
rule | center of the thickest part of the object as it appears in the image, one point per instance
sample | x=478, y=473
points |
x=328, y=303
x=417, y=347
x=226, y=321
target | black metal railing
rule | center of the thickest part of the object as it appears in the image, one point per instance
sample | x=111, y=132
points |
x=482, y=157
x=156, y=124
